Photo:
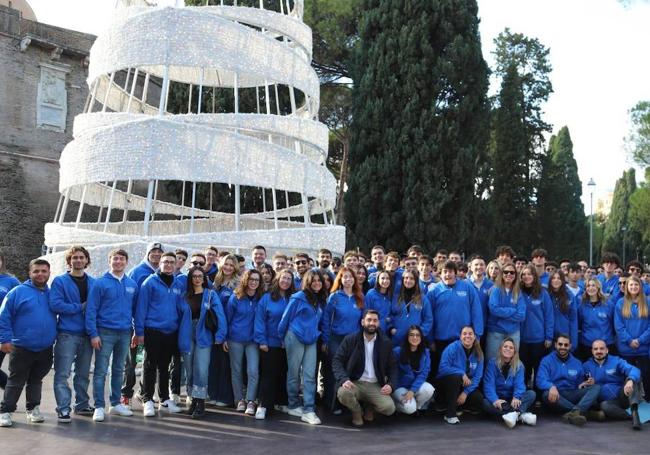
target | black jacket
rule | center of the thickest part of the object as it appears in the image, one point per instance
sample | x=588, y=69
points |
x=350, y=360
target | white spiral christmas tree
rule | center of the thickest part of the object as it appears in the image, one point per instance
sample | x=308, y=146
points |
x=126, y=142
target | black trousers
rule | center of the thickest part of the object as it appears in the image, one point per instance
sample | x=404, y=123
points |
x=129, y=374
x=3, y=375
x=531, y=355
x=450, y=387
x=273, y=378
x=616, y=409
x=26, y=368
x=642, y=362
x=435, y=358
x=176, y=370
x=159, y=348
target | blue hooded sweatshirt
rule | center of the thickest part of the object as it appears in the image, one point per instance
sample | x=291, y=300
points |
x=609, y=286
x=26, y=320
x=565, y=374
x=406, y=314
x=497, y=387
x=111, y=304
x=453, y=362
x=240, y=314
x=628, y=329
x=141, y=272
x=483, y=292
x=408, y=378
x=202, y=336
x=596, y=322
x=159, y=307
x=566, y=323
x=302, y=318
x=65, y=301
x=341, y=316
x=267, y=319
x=611, y=375
x=537, y=326
x=504, y=315
x=7, y=283
x=381, y=303
x=455, y=307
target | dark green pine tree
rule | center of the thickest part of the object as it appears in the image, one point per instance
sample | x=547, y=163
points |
x=618, y=224
x=419, y=124
x=561, y=217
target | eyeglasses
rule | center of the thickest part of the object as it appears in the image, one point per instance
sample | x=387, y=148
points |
x=200, y=277
x=634, y=269
x=509, y=272
x=414, y=335
x=303, y=262
x=198, y=263
x=253, y=280
x=169, y=262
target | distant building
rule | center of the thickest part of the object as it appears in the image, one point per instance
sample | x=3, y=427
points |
x=603, y=204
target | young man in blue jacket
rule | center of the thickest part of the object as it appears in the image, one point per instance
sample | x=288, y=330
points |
x=561, y=379
x=620, y=384
x=68, y=297
x=109, y=323
x=27, y=333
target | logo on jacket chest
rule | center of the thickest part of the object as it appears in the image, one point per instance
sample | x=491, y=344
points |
x=602, y=315
x=461, y=293
x=536, y=302
x=573, y=372
x=611, y=371
x=130, y=289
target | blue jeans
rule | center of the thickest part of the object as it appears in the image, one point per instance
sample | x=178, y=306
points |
x=116, y=343
x=69, y=349
x=579, y=399
x=236, y=351
x=493, y=341
x=300, y=355
x=197, y=367
x=527, y=400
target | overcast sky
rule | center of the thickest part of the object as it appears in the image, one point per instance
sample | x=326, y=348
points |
x=599, y=53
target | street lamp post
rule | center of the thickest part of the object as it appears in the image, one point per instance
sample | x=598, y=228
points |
x=624, y=229
x=591, y=186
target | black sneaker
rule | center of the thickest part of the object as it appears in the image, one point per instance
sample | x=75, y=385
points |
x=63, y=417
x=87, y=411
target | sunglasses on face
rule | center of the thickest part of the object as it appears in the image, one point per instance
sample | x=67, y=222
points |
x=198, y=263
x=300, y=262
x=509, y=272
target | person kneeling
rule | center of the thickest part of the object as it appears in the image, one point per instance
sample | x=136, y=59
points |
x=504, y=387
x=414, y=363
x=365, y=370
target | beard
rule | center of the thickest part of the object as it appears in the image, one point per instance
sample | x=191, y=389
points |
x=370, y=330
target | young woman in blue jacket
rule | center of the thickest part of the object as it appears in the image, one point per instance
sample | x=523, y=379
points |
x=240, y=313
x=196, y=340
x=409, y=308
x=595, y=320
x=565, y=308
x=413, y=360
x=273, y=357
x=380, y=298
x=632, y=325
x=504, y=388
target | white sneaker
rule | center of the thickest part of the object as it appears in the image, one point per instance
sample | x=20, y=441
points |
x=35, y=415
x=311, y=418
x=98, y=415
x=241, y=406
x=5, y=420
x=220, y=404
x=510, y=419
x=452, y=420
x=260, y=414
x=148, y=409
x=188, y=400
x=175, y=398
x=120, y=410
x=528, y=418
x=250, y=408
x=281, y=408
x=169, y=406
x=296, y=412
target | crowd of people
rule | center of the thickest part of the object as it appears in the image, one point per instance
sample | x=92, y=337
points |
x=408, y=333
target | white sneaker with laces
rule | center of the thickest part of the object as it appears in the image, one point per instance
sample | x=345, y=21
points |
x=120, y=410
x=260, y=414
x=148, y=409
x=35, y=415
x=98, y=415
x=250, y=408
x=169, y=406
x=296, y=412
x=311, y=418
x=175, y=398
x=510, y=419
x=5, y=420
x=528, y=418
x=452, y=420
x=241, y=406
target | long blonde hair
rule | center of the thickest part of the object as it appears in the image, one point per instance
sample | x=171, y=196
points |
x=500, y=283
x=221, y=278
x=515, y=363
x=640, y=300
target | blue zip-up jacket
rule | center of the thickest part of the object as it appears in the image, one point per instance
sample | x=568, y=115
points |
x=141, y=272
x=240, y=314
x=407, y=377
x=341, y=316
x=111, y=304
x=453, y=362
x=596, y=322
x=611, y=375
x=7, y=283
x=544, y=278
x=66, y=303
x=267, y=319
x=159, y=307
x=566, y=323
x=302, y=318
x=202, y=336
x=426, y=286
x=504, y=315
x=628, y=329
x=565, y=375
x=496, y=386
x=483, y=291
x=224, y=293
x=455, y=307
x=26, y=320
x=406, y=314
x=537, y=326
x=381, y=303
x=609, y=286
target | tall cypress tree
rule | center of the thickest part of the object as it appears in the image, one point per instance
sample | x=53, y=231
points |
x=419, y=124
x=560, y=213
x=618, y=215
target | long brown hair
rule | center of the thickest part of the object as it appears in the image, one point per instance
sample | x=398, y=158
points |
x=356, y=287
x=640, y=300
x=561, y=293
x=417, y=294
x=276, y=292
x=240, y=292
x=536, y=286
x=314, y=298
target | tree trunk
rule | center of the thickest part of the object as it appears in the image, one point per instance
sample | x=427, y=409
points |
x=340, y=212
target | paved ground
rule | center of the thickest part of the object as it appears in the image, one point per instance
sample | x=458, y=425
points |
x=228, y=432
